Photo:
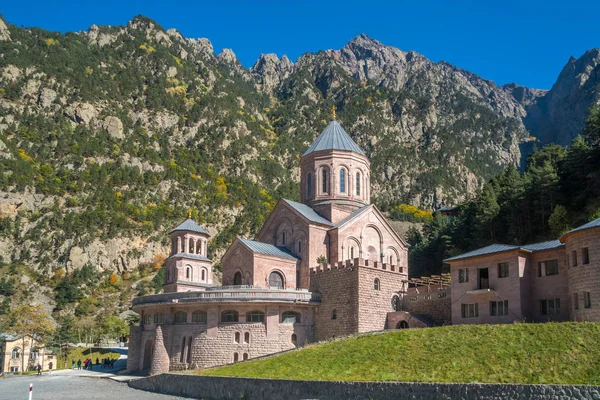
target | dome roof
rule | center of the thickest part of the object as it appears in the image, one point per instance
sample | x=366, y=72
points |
x=191, y=226
x=334, y=137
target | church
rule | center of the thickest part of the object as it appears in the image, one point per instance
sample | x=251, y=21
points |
x=329, y=265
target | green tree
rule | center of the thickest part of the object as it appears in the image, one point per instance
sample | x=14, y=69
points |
x=33, y=322
x=559, y=221
x=487, y=210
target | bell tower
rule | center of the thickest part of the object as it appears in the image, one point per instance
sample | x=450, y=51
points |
x=188, y=267
x=335, y=174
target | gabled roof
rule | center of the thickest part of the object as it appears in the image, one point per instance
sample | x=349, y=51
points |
x=499, y=248
x=491, y=249
x=191, y=226
x=592, y=224
x=307, y=212
x=549, y=245
x=268, y=249
x=334, y=137
x=350, y=217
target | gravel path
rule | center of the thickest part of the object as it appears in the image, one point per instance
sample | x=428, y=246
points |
x=64, y=387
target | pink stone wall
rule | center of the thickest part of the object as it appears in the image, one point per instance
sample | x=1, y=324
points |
x=374, y=304
x=548, y=287
x=584, y=277
x=432, y=301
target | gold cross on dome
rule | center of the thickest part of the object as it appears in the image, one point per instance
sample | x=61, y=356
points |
x=190, y=213
x=333, y=111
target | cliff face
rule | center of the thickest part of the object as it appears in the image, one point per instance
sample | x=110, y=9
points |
x=558, y=116
x=108, y=137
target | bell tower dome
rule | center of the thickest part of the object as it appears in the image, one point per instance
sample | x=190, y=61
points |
x=335, y=174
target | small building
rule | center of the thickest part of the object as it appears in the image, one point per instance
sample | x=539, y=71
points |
x=14, y=355
x=557, y=280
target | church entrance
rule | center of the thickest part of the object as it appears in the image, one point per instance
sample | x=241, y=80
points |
x=402, y=325
x=148, y=350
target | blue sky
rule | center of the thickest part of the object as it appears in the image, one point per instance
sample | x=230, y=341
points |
x=527, y=42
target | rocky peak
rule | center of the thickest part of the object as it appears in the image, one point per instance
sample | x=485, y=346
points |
x=269, y=71
x=4, y=32
x=227, y=56
x=524, y=95
x=202, y=47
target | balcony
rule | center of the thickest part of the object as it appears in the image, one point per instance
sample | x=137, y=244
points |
x=232, y=293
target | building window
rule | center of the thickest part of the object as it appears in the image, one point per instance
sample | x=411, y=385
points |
x=324, y=177
x=503, y=270
x=576, y=301
x=574, y=257
x=247, y=337
x=299, y=246
x=585, y=256
x=198, y=316
x=147, y=319
x=309, y=185
x=334, y=314
x=283, y=238
x=203, y=274
x=294, y=339
x=276, y=280
x=236, y=357
x=245, y=356
x=230, y=316
x=358, y=183
x=188, y=272
x=255, y=316
x=469, y=310
x=463, y=275
x=237, y=279
x=376, y=284
x=16, y=353
x=291, y=317
x=498, y=308
x=352, y=252
x=342, y=181
x=180, y=317
x=236, y=337
x=395, y=302
x=587, y=299
x=547, y=268
x=158, y=318
x=550, y=307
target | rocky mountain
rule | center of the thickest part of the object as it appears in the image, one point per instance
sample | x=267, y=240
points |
x=108, y=137
x=558, y=115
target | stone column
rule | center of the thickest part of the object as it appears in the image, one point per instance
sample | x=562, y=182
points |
x=160, y=357
x=179, y=246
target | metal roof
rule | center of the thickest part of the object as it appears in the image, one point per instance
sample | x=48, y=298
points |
x=499, y=248
x=268, y=249
x=308, y=212
x=592, y=224
x=191, y=226
x=491, y=249
x=549, y=245
x=192, y=256
x=334, y=137
x=351, y=216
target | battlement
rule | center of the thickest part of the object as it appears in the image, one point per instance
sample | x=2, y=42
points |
x=359, y=262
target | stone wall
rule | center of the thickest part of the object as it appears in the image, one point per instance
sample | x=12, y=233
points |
x=431, y=301
x=220, y=388
x=584, y=277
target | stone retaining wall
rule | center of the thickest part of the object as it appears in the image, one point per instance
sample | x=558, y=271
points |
x=219, y=388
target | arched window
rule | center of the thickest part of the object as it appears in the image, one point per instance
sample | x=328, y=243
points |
x=237, y=278
x=376, y=284
x=276, y=280
x=255, y=316
x=391, y=260
x=291, y=317
x=283, y=238
x=334, y=314
x=395, y=303
x=147, y=319
x=236, y=337
x=235, y=357
x=180, y=317
x=299, y=246
x=324, y=180
x=342, y=180
x=294, y=339
x=352, y=252
x=309, y=185
x=16, y=353
x=358, y=183
x=188, y=273
x=203, y=274
x=199, y=316
x=158, y=318
x=230, y=316
x=247, y=337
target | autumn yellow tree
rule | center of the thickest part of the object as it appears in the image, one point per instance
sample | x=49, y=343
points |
x=32, y=321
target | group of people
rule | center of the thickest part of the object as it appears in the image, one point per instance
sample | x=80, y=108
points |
x=39, y=368
x=88, y=363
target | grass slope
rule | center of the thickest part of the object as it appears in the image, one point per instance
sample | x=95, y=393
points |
x=567, y=353
x=81, y=353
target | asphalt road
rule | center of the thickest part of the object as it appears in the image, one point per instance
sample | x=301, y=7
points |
x=71, y=387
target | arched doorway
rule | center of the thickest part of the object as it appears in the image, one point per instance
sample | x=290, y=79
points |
x=276, y=280
x=237, y=278
x=402, y=325
x=148, y=350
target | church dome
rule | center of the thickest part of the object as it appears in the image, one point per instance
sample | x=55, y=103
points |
x=334, y=137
